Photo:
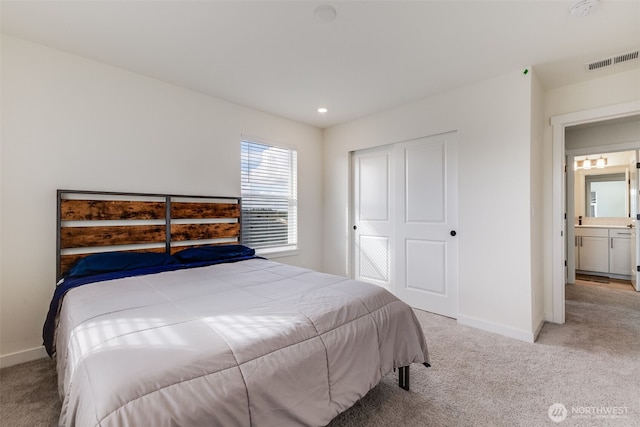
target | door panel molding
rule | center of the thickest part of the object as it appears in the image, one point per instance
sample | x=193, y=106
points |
x=426, y=266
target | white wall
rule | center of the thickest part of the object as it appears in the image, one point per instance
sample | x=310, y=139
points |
x=606, y=134
x=72, y=123
x=606, y=91
x=611, y=90
x=493, y=122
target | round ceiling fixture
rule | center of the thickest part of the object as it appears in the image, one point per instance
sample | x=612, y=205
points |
x=322, y=110
x=325, y=13
x=583, y=7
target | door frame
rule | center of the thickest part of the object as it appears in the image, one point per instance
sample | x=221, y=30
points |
x=559, y=193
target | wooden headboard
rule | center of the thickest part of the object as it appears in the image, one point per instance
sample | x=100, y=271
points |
x=96, y=221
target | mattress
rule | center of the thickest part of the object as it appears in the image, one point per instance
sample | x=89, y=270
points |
x=248, y=343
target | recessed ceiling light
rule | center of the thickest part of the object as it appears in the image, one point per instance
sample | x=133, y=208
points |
x=325, y=13
x=322, y=110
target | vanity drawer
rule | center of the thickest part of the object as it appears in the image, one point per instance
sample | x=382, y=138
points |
x=592, y=232
x=625, y=234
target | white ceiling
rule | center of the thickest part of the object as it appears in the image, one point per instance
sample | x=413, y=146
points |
x=277, y=57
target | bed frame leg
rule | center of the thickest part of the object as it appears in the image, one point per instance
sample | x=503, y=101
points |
x=403, y=377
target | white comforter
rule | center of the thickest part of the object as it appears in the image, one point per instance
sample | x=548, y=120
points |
x=252, y=343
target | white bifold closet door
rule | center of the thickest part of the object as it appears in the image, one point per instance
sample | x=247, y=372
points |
x=405, y=221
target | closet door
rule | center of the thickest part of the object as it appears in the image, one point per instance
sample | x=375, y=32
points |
x=427, y=224
x=405, y=205
x=373, y=223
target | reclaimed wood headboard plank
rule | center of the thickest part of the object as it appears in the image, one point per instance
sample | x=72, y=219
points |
x=204, y=210
x=87, y=210
x=86, y=237
x=184, y=232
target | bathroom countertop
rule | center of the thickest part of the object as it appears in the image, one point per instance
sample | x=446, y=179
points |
x=601, y=226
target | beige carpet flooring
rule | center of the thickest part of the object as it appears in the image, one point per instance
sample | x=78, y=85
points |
x=591, y=365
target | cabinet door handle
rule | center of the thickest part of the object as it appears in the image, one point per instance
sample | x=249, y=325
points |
x=612, y=243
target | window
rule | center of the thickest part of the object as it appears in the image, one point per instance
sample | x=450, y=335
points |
x=269, y=197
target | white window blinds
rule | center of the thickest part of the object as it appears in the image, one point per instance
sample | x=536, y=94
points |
x=269, y=196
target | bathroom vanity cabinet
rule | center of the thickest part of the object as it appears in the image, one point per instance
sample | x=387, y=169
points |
x=620, y=251
x=603, y=250
x=592, y=249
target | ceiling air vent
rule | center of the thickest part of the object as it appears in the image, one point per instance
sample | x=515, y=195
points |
x=617, y=59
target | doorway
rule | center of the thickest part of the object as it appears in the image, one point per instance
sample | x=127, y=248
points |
x=559, y=220
x=600, y=207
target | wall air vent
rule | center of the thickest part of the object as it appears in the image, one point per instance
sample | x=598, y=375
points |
x=617, y=59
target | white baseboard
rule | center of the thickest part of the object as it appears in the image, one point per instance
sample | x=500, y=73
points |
x=538, y=329
x=22, y=357
x=497, y=328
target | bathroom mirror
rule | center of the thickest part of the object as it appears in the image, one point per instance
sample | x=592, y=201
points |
x=606, y=195
x=602, y=190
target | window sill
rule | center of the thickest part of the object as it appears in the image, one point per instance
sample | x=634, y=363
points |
x=277, y=252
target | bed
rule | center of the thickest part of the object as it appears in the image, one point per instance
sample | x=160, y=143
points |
x=161, y=317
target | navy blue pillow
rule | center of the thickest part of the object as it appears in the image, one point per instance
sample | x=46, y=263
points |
x=213, y=253
x=118, y=261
